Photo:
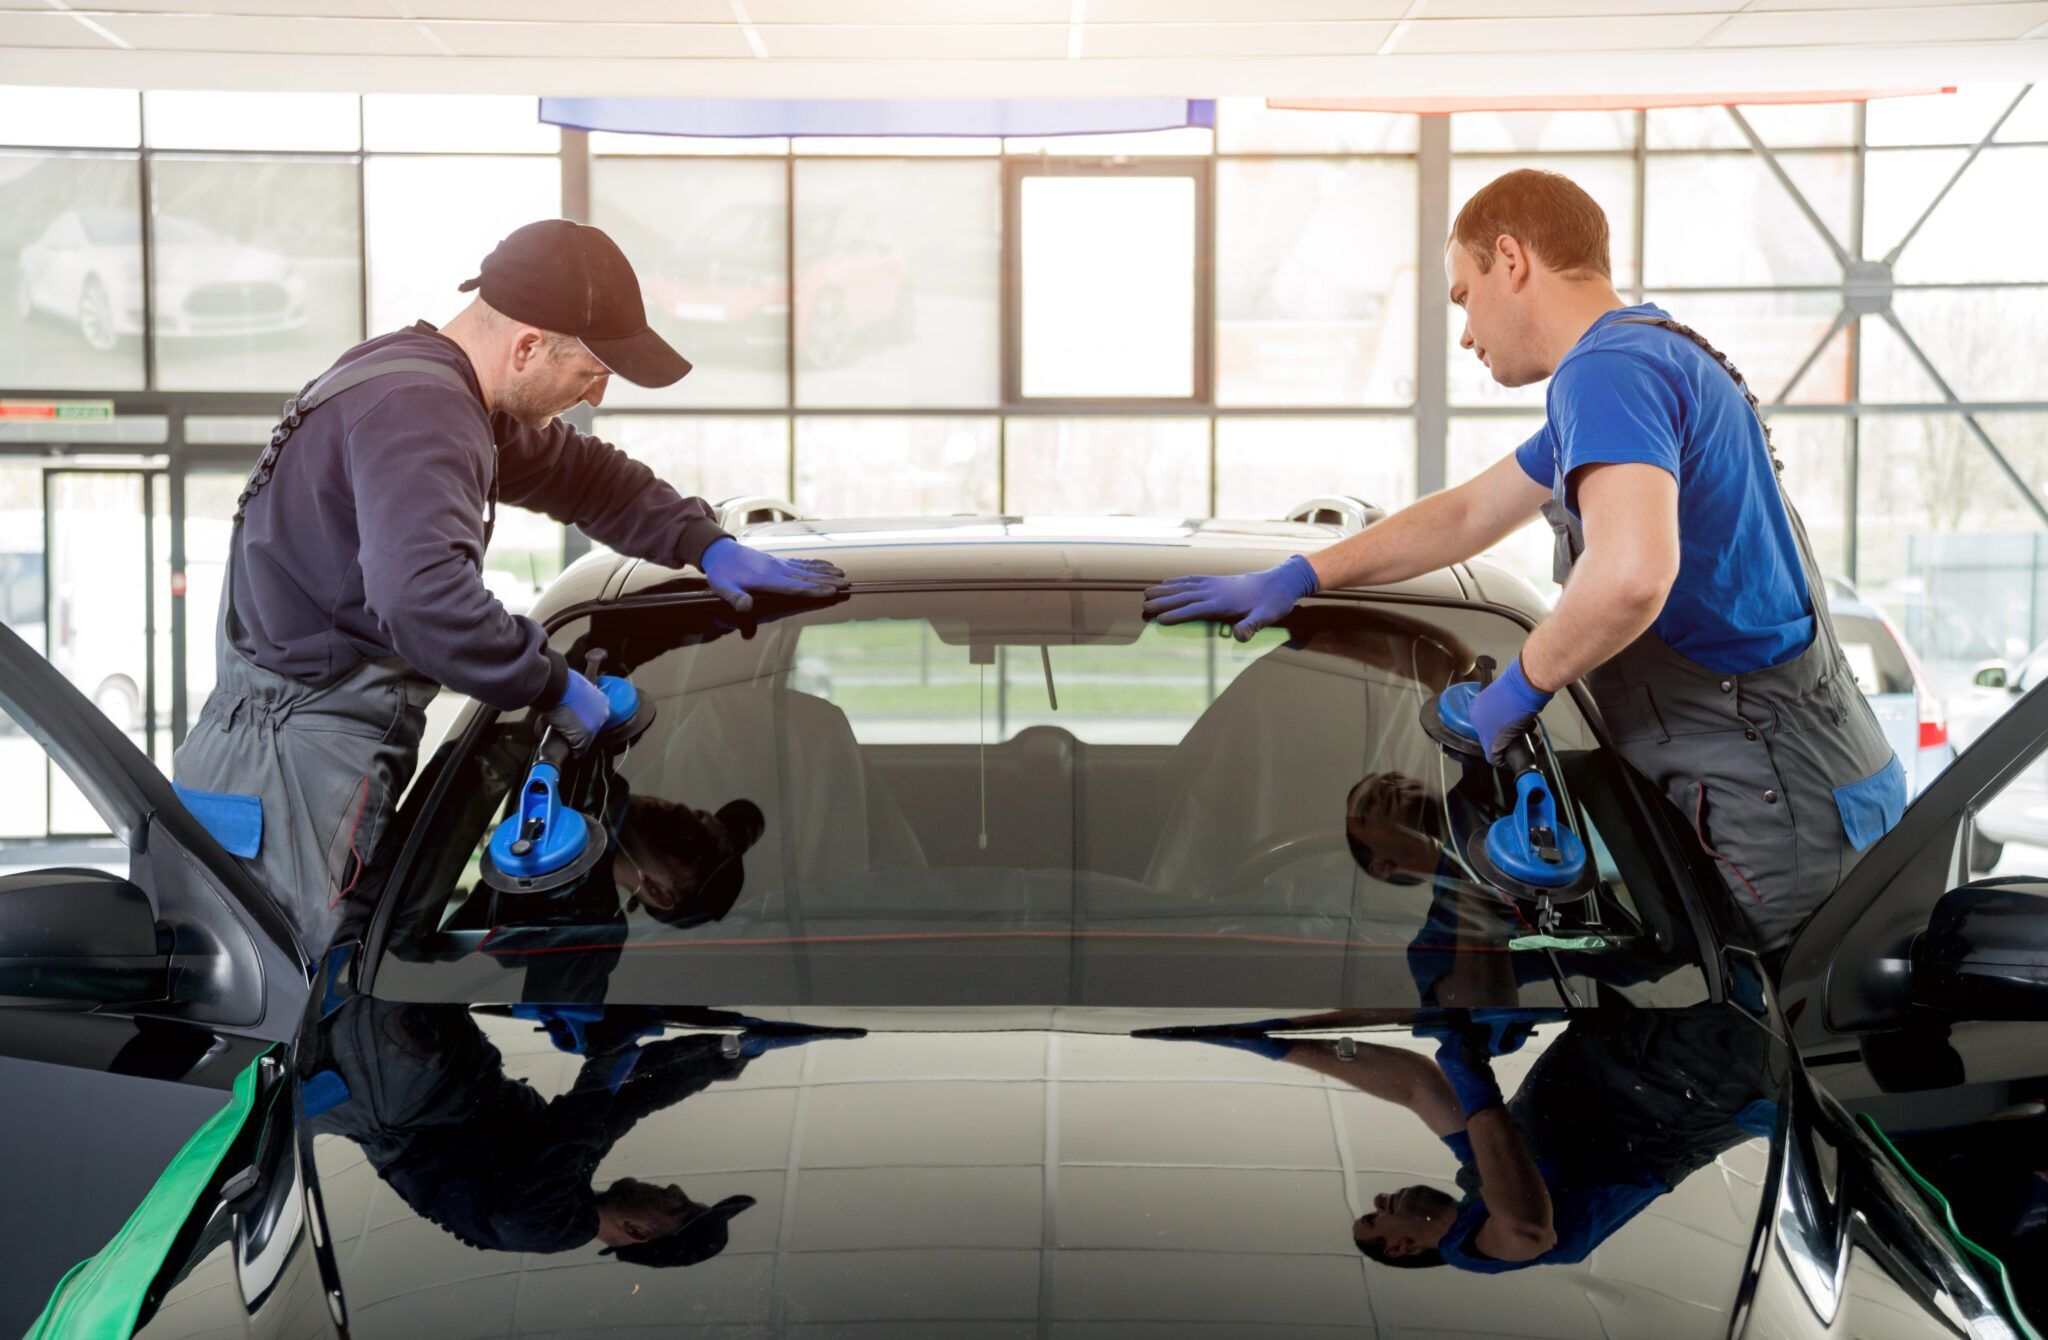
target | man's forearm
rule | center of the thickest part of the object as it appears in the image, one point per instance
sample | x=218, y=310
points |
x=1433, y=532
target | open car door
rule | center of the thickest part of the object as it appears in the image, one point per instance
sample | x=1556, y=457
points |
x=1909, y=940
x=90, y=961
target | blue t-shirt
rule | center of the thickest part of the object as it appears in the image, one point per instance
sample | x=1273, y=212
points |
x=1636, y=393
x=1583, y=1216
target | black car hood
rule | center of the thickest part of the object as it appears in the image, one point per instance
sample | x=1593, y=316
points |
x=949, y=1174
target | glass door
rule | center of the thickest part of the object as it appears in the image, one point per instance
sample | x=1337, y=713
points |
x=106, y=574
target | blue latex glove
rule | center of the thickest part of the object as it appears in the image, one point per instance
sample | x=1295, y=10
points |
x=580, y=713
x=738, y=574
x=1464, y=1047
x=1253, y=600
x=1506, y=708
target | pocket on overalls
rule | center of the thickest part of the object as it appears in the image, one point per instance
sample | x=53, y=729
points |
x=1872, y=807
x=341, y=788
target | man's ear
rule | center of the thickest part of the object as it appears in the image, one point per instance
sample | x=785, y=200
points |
x=528, y=347
x=1514, y=258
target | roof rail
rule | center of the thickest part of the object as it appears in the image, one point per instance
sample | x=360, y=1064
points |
x=1336, y=509
x=753, y=509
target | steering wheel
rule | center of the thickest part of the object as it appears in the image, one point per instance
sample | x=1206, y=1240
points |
x=1275, y=854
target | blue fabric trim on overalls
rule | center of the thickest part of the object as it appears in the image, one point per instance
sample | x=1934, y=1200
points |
x=236, y=821
x=1872, y=807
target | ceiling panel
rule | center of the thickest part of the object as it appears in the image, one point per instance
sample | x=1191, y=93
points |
x=1153, y=40
x=1018, y=48
x=350, y=37
x=908, y=11
x=550, y=11
x=1541, y=9
x=825, y=41
x=637, y=41
x=47, y=30
x=1518, y=35
x=1235, y=11
x=321, y=9
x=1757, y=6
x=1921, y=23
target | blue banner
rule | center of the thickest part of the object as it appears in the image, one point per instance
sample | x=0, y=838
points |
x=745, y=118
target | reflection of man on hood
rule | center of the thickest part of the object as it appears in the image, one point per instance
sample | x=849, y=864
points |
x=497, y=1165
x=1616, y=1112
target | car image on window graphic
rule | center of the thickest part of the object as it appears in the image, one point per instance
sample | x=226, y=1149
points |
x=85, y=269
x=914, y=905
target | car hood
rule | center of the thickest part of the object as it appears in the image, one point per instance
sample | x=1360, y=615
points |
x=971, y=1174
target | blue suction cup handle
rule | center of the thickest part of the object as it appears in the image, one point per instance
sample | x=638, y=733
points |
x=542, y=835
x=1530, y=845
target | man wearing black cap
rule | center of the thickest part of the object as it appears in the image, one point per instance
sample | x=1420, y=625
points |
x=355, y=582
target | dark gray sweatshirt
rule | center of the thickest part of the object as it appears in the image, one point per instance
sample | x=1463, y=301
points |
x=368, y=541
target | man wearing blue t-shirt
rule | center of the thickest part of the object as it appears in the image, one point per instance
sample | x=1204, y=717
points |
x=1690, y=605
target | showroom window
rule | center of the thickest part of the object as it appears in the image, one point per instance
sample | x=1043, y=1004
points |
x=1106, y=283
x=1180, y=323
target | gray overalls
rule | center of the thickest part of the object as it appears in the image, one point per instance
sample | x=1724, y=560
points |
x=326, y=761
x=1784, y=773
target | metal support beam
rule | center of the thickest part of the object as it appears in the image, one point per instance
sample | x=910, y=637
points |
x=1432, y=313
x=1762, y=151
x=1969, y=420
x=1892, y=256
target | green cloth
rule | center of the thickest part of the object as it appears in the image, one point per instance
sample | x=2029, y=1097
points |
x=101, y=1296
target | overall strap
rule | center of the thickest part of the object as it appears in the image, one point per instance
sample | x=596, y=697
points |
x=1741, y=383
x=1816, y=583
x=322, y=389
x=315, y=393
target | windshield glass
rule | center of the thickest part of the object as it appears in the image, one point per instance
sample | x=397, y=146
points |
x=1033, y=797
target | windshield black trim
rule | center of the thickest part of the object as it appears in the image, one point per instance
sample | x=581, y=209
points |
x=481, y=717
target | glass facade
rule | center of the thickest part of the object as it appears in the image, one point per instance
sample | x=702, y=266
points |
x=1189, y=323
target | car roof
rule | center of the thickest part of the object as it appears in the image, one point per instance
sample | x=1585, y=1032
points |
x=1035, y=549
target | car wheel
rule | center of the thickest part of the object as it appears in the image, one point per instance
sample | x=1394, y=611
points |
x=827, y=337
x=1984, y=854
x=96, y=315
x=118, y=699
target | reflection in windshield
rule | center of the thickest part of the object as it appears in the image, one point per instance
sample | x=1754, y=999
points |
x=489, y=1160
x=1620, y=1107
x=1024, y=797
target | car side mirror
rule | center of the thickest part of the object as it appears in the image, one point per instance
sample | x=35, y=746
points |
x=79, y=936
x=1990, y=675
x=1985, y=951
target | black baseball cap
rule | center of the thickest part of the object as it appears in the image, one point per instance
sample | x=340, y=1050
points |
x=572, y=279
x=701, y=1237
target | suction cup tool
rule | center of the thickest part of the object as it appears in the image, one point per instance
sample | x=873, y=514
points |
x=1447, y=718
x=545, y=845
x=1527, y=854
x=631, y=713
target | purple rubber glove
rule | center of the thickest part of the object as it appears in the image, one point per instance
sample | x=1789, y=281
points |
x=1506, y=708
x=738, y=574
x=579, y=714
x=1250, y=602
